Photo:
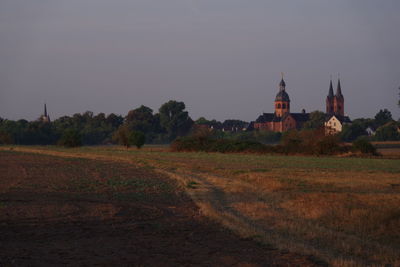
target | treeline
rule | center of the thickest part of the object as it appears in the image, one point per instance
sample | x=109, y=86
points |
x=381, y=128
x=88, y=129
x=172, y=121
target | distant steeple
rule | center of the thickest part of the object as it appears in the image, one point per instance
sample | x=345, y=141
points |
x=282, y=84
x=45, y=117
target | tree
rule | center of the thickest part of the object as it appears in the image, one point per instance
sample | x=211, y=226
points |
x=316, y=121
x=383, y=117
x=70, y=138
x=5, y=138
x=387, y=132
x=364, y=146
x=121, y=136
x=114, y=120
x=140, y=119
x=174, y=119
x=137, y=138
x=352, y=132
x=201, y=121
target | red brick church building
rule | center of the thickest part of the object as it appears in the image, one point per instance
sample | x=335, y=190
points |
x=282, y=119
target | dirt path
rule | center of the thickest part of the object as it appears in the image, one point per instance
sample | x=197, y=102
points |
x=206, y=193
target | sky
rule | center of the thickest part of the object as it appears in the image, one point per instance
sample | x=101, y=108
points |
x=222, y=58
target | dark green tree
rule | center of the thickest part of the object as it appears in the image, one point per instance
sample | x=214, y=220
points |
x=70, y=138
x=387, y=132
x=382, y=117
x=114, y=120
x=202, y=121
x=175, y=119
x=352, y=132
x=137, y=138
x=140, y=119
x=317, y=120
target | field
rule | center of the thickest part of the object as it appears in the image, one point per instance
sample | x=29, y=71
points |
x=332, y=210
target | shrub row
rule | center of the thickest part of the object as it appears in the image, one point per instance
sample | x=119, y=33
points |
x=306, y=142
x=205, y=144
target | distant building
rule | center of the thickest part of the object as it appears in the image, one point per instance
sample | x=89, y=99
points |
x=45, y=117
x=370, y=131
x=335, y=118
x=281, y=120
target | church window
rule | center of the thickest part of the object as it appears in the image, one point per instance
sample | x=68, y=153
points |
x=283, y=105
x=279, y=105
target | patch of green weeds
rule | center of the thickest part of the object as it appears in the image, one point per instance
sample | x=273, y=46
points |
x=237, y=172
x=192, y=185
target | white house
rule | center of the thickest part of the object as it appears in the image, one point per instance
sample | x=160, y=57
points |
x=334, y=124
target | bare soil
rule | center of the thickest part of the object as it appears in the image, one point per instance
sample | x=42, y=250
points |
x=67, y=211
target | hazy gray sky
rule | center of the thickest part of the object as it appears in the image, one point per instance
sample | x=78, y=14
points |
x=223, y=58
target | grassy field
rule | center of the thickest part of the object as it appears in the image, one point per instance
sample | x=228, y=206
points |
x=344, y=211
x=78, y=211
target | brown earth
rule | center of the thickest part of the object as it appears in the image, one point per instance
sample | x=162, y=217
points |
x=68, y=211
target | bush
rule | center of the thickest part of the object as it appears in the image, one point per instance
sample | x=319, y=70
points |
x=364, y=147
x=70, y=138
x=5, y=138
x=310, y=142
x=121, y=136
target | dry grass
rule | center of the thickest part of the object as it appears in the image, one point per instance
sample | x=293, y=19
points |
x=345, y=211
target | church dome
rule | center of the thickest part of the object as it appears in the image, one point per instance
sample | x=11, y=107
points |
x=282, y=96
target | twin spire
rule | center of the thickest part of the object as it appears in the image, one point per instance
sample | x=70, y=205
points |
x=338, y=90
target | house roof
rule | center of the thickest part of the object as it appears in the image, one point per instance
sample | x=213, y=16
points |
x=300, y=116
x=342, y=119
x=266, y=117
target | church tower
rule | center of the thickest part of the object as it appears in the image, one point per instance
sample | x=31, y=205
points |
x=335, y=103
x=338, y=103
x=282, y=101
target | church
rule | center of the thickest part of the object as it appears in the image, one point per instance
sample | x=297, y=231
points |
x=283, y=120
x=335, y=118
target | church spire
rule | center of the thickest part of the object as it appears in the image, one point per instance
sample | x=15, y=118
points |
x=45, y=110
x=330, y=93
x=282, y=84
x=339, y=90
